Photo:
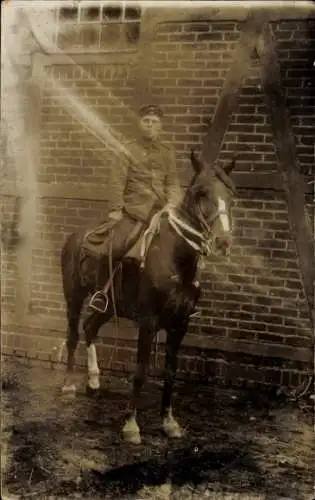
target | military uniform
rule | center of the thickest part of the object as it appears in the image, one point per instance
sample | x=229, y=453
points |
x=145, y=180
x=142, y=181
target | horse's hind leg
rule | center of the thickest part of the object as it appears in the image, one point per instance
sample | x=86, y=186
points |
x=74, y=306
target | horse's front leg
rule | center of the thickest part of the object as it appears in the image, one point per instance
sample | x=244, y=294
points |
x=131, y=431
x=174, y=338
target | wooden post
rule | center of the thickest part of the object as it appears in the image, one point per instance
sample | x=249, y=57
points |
x=142, y=71
x=229, y=99
x=285, y=149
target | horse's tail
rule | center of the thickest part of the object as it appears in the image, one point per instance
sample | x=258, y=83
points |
x=69, y=270
x=67, y=249
x=70, y=264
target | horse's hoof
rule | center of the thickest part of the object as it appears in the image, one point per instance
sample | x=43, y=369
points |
x=172, y=429
x=68, y=389
x=132, y=437
x=68, y=392
x=131, y=432
x=94, y=383
x=91, y=392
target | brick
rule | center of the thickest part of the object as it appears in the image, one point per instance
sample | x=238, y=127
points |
x=273, y=244
x=247, y=242
x=298, y=341
x=217, y=322
x=183, y=37
x=253, y=308
x=252, y=223
x=239, y=315
x=242, y=334
x=252, y=325
x=259, y=252
x=277, y=225
x=212, y=36
x=294, y=284
x=282, y=254
x=290, y=313
x=252, y=204
x=225, y=306
x=213, y=330
x=269, y=318
x=270, y=338
x=202, y=27
x=248, y=119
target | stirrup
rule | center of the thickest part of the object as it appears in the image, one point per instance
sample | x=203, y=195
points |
x=102, y=295
x=196, y=314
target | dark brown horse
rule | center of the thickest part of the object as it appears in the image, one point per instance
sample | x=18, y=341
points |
x=162, y=294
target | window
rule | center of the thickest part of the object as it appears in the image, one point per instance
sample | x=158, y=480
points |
x=104, y=27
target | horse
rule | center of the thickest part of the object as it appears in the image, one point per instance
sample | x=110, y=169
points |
x=158, y=292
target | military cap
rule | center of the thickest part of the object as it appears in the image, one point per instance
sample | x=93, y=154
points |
x=150, y=109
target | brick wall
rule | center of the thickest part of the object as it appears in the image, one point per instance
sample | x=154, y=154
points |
x=254, y=315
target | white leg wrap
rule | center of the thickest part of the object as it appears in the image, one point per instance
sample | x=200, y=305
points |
x=93, y=369
x=131, y=431
x=171, y=427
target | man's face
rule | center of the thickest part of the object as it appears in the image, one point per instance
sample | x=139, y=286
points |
x=150, y=126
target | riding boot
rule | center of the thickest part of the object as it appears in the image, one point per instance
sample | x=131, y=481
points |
x=99, y=300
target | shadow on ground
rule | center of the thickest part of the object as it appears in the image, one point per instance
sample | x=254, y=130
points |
x=235, y=442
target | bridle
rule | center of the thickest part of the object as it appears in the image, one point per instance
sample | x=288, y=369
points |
x=200, y=241
x=205, y=237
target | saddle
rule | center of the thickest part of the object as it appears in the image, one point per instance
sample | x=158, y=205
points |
x=140, y=248
x=99, y=242
x=138, y=251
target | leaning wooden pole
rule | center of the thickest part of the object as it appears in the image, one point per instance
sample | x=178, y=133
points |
x=286, y=153
x=230, y=95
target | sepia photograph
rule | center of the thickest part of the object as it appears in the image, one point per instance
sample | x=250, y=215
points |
x=157, y=249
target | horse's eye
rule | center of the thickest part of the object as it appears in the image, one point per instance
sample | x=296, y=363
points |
x=203, y=194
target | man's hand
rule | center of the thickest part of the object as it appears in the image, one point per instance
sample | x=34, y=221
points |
x=115, y=215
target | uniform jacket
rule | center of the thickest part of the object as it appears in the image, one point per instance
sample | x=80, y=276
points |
x=144, y=179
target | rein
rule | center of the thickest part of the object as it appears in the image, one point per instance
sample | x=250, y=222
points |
x=179, y=225
x=186, y=231
x=204, y=247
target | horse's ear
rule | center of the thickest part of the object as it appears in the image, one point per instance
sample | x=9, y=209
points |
x=196, y=163
x=228, y=168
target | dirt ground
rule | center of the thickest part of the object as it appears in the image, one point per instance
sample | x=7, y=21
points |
x=238, y=444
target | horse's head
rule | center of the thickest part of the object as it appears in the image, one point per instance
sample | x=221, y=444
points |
x=208, y=203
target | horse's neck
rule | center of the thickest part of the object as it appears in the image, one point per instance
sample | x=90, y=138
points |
x=186, y=214
x=179, y=254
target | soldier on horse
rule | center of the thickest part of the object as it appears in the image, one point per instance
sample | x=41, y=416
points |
x=141, y=184
x=161, y=293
